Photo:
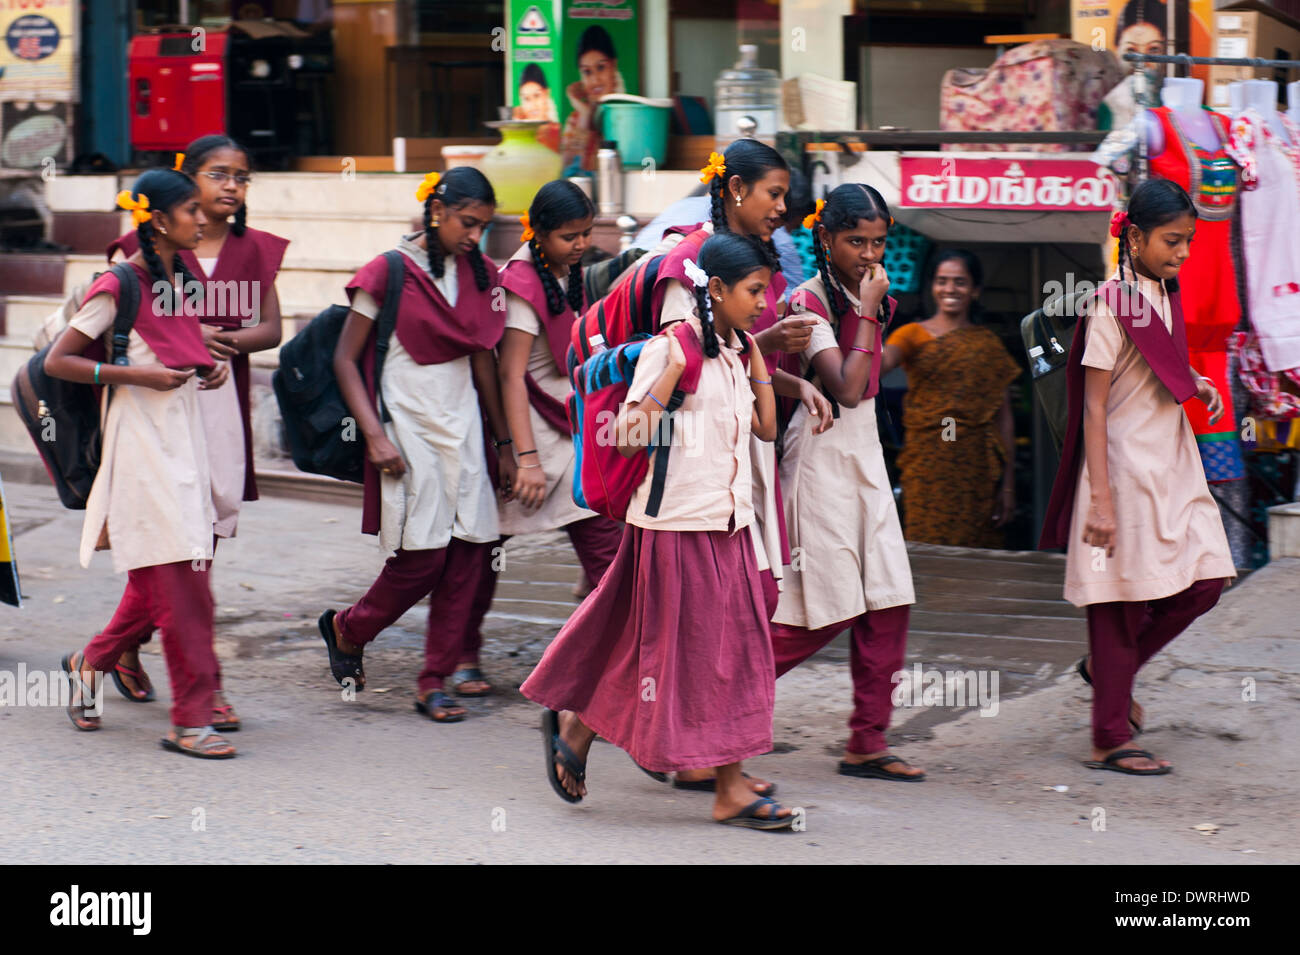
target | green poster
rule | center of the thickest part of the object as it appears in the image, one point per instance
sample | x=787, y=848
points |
x=601, y=54
x=535, y=60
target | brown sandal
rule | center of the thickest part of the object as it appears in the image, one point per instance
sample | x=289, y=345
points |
x=79, y=690
x=207, y=744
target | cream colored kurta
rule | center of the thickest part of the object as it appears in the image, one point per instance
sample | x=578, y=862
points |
x=846, y=542
x=709, y=481
x=1168, y=530
x=436, y=426
x=152, y=492
x=679, y=303
x=223, y=429
x=554, y=448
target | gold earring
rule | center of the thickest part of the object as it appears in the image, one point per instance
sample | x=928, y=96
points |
x=435, y=222
x=162, y=230
x=737, y=198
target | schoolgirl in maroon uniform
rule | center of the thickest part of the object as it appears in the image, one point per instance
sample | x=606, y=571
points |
x=236, y=266
x=544, y=282
x=428, y=492
x=666, y=658
x=151, y=503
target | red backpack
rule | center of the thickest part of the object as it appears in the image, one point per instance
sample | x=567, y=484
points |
x=603, y=480
x=628, y=309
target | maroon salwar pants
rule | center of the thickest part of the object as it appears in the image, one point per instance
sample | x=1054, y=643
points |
x=876, y=649
x=149, y=625
x=1124, y=635
x=178, y=599
x=452, y=577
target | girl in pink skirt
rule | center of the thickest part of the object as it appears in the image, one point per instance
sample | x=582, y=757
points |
x=670, y=657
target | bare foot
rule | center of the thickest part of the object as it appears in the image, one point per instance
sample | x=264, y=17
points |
x=760, y=787
x=578, y=738
x=1129, y=762
x=734, y=795
x=899, y=768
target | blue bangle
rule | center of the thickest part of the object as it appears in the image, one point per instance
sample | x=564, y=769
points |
x=651, y=396
x=759, y=381
x=98, y=365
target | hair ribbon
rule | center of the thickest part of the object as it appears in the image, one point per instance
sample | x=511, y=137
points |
x=139, y=208
x=1118, y=222
x=717, y=166
x=815, y=216
x=699, y=278
x=427, y=186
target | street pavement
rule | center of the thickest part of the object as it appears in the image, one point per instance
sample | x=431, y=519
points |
x=320, y=778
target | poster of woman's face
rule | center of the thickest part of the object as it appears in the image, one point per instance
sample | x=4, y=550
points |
x=1141, y=28
x=598, y=72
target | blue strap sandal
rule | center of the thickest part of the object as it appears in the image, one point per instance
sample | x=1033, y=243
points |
x=748, y=817
x=558, y=750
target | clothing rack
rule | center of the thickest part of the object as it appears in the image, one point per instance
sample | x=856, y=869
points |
x=1184, y=60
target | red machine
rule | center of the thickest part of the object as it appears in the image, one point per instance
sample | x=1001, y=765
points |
x=177, y=93
x=262, y=83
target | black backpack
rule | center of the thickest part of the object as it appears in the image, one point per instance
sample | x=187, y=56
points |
x=63, y=416
x=318, y=426
x=1048, y=334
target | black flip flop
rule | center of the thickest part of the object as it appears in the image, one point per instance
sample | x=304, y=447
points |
x=1082, y=669
x=556, y=747
x=469, y=675
x=126, y=690
x=656, y=776
x=342, y=665
x=875, y=769
x=747, y=819
x=438, y=700
x=711, y=785
x=1111, y=762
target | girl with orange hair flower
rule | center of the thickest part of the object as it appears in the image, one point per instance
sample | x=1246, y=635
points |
x=428, y=491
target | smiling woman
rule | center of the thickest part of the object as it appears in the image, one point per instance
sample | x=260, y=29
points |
x=598, y=76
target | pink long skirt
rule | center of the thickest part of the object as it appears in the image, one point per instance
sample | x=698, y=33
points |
x=670, y=657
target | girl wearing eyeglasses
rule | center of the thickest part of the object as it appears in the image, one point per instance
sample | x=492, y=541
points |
x=237, y=267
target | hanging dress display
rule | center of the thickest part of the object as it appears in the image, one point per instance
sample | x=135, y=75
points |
x=1208, y=282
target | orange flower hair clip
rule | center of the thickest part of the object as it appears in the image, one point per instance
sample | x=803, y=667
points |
x=180, y=161
x=814, y=217
x=717, y=167
x=528, y=229
x=139, y=208
x=427, y=186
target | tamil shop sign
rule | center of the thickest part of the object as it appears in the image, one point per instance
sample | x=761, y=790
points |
x=1055, y=185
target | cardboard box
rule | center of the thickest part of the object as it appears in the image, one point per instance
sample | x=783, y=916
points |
x=1250, y=33
x=1098, y=24
x=1288, y=11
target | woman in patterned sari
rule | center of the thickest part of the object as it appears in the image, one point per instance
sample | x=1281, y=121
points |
x=956, y=463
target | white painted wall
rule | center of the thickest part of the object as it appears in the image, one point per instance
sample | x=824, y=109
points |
x=812, y=37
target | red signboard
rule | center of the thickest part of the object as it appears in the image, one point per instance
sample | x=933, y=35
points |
x=1056, y=185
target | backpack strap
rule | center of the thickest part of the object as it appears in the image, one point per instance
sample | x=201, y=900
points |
x=386, y=321
x=128, y=306
x=687, y=384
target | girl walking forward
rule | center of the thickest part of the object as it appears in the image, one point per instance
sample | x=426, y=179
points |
x=670, y=657
x=1146, y=551
x=852, y=569
x=151, y=502
x=427, y=490
x=241, y=315
x=544, y=285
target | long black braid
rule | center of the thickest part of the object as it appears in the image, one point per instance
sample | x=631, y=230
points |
x=456, y=188
x=706, y=321
x=844, y=207
x=557, y=204
x=751, y=161
x=195, y=154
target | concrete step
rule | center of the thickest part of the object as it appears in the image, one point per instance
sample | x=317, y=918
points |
x=24, y=314
x=14, y=353
x=309, y=285
x=325, y=235
x=13, y=434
